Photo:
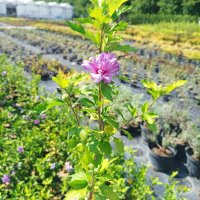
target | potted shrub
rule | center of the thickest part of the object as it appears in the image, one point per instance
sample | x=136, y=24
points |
x=161, y=154
x=192, y=135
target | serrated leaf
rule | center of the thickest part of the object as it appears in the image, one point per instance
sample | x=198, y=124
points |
x=108, y=193
x=105, y=164
x=79, y=181
x=76, y=194
x=111, y=121
x=95, y=38
x=41, y=107
x=152, y=127
x=54, y=103
x=174, y=85
x=119, y=145
x=154, y=94
x=106, y=91
x=120, y=11
x=149, y=117
x=86, y=102
x=76, y=27
x=145, y=107
x=61, y=79
x=105, y=147
x=98, y=14
x=130, y=137
x=121, y=26
x=113, y=5
x=86, y=159
x=118, y=111
x=150, y=84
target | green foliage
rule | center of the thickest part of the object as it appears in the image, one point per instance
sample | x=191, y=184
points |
x=170, y=7
x=173, y=191
x=145, y=6
x=144, y=18
x=103, y=16
x=79, y=181
x=158, y=90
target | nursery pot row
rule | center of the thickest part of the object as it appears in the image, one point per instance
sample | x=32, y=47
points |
x=193, y=165
x=164, y=163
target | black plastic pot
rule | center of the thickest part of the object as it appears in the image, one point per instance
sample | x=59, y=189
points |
x=193, y=165
x=134, y=130
x=161, y=163
x=181, y=151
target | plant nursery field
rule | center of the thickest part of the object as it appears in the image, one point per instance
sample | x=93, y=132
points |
x=56, y=143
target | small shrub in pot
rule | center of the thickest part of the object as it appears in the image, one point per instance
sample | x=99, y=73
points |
x=161, y=156
x=192, y=135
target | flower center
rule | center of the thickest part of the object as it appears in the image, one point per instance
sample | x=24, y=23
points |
x=100, y=71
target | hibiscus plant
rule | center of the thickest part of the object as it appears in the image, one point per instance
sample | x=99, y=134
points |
x=90, y=99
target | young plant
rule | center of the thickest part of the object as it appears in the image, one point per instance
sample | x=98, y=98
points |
x=90, y=146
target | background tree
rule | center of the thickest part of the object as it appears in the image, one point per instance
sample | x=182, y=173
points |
x=145, y=6
x=191, y=7
x=170, y=6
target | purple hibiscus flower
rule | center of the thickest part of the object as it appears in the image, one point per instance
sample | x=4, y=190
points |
x=102, y=68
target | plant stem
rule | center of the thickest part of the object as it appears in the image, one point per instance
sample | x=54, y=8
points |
x=92, y=189
x=73, y=110
x=101, y=39
x=99, y=109
x=152, y=103
x=132, y=120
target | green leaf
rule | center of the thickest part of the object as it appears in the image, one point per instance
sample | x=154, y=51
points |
x=120, y=11
x=105, y=148
x=118, y=111
x=98, y=14
x=61, y=79
x=149, y=117
x=145, y=107
x=152, y=127
x=105, y=164
x=76, y=194
x=47, y=181
x=113, y=5
x=130, y=137
x=108, y=193
x=74, y=131
x=41, y=107
x=79, y=181
x=86, y=159
x=111, y=121
x=86, y=102
x=131, y=109
x=150, y=84
x=174, y=85
x=154, y=94
x=54, y=103
x=121, y=26
x=119, y=145
x=95, y=38
x=106, y=91
x=76, y=27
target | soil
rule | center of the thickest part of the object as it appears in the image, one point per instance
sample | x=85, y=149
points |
x=162, y=152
